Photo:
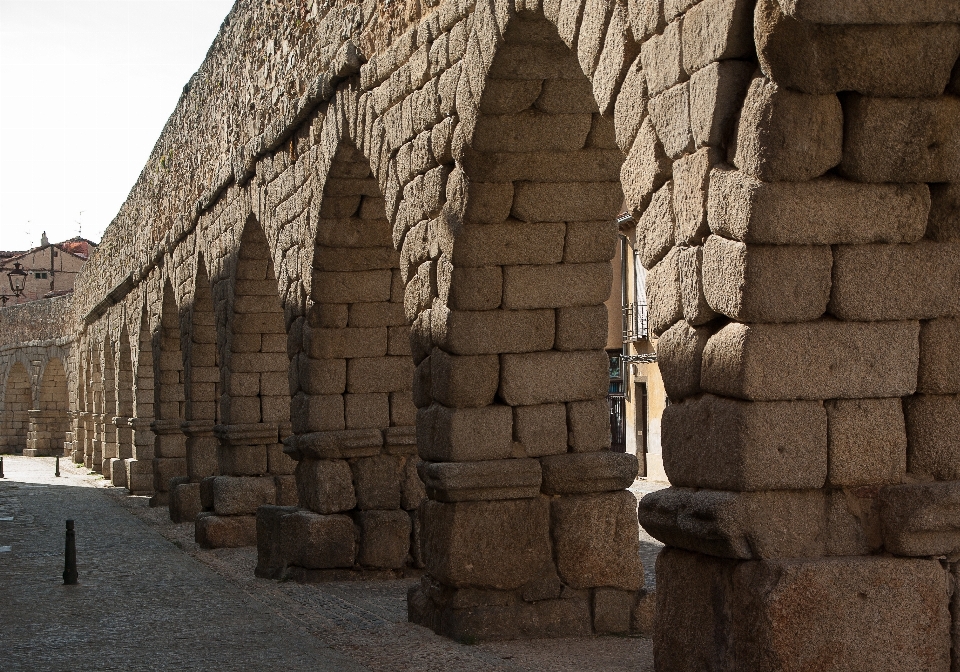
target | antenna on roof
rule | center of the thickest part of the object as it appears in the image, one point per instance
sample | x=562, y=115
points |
x=80, y=225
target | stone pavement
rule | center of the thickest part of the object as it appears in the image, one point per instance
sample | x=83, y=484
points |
x=150, y=598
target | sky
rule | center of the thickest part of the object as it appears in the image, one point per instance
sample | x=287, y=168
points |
x=86, y=87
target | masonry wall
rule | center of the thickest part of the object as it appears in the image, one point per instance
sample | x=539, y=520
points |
x=789, y=167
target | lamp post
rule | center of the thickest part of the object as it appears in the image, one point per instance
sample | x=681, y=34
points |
x=4, y=298
x=18, y=279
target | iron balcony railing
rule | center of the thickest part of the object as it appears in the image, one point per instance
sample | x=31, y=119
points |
x=635, y=322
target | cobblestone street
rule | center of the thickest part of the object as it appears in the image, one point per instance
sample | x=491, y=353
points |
x=149, y=598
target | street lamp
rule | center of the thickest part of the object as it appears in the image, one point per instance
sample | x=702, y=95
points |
x=4, y=298
x=18, y=279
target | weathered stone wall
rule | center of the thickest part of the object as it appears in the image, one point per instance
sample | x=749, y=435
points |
x=804, y=271
x=333, y=168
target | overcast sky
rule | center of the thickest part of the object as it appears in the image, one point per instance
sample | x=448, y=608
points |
x=85, y=89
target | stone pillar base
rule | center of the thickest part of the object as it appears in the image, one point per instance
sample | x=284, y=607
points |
x=841, y=613
x=33, y=452
x=139, y=477
x=184, y=500
x=118, y=472
x=77, y=457
x=472, y=615
x=213, y=531
x=160, y=499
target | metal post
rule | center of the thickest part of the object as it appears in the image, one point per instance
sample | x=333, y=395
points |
x=70, y=557
x=58, y=466
x=1, y=466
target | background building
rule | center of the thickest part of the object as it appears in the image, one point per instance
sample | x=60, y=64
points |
x=51, y=268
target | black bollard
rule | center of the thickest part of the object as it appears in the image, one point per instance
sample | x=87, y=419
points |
x=70, y=560
x=1, y=466
x=58, y=466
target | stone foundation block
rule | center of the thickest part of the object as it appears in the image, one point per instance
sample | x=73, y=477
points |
x=376, y=480
x=823, y=359
x=502, y=618
x=118, y=472
x=757, y=525
x=316, y=541
x=933, y=435
x=185, y=502
x=786, y=615
x=611, y=610
x=921, y=519
x=896, y=282
x=825, y=211
x=867, y=442
x=784, y=136
x=902, y=139
x=242, y=496
x=139, y=476
x=596, y=540
x=457, y=549
x=581, y=328
x=270, y=561
x=584, y=473
x=830, y=58
x=384, y=538
x=766, y=283
x=166, y=468
x=325, y=486
x=486, y=480
x=213, y=531
x=715, y=442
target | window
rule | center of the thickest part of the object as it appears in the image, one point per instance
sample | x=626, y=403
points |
x=37, y=275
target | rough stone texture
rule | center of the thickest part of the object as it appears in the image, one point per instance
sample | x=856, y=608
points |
x=827, y=211
x=696, y=309
x=724, y=444
x=939, y=352
x=760, y=283
x=755, y=525
x=457, y=548
x=933, y=441
x=595, y=540
x=776, y=614
x=896, y=282
x=867, y=442
x=901, y=139
x=588, y=472
x=823, y=359
x=656, y=228
x=920, y=519
x=785, y=136
x=826, y=59
x=680, y=353
x=716, y=96
x=663, y=293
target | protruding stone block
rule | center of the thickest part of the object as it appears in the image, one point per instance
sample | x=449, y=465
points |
x=823, y=359
x=680, y=357
x=785, y=136
x=315, y=541
x=486, y=480
x=585, y=473
x=213, y=531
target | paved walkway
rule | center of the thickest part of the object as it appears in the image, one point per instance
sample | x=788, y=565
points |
x=150, y=599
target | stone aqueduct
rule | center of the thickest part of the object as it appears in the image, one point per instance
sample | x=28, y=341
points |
x=352, y=311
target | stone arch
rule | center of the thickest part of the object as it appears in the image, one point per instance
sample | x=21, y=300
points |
x=140, y=466
x=80, y=419
x=507, y=292
x=49, y=421
x=202, y=387
x=354, y=418
x=254, y=401
x=17, y=400
x=93, y=459
x=170, y=446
